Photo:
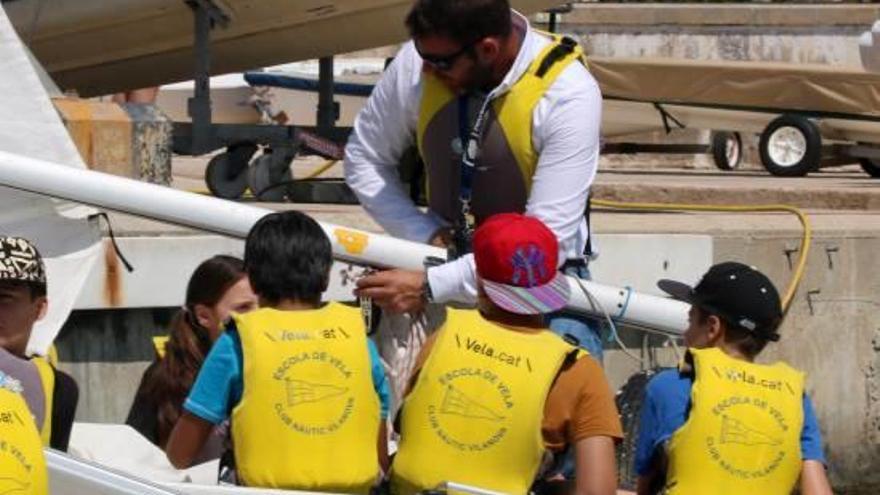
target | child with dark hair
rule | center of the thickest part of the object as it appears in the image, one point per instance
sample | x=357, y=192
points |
x=217, y=287
x=51, y=395
x=299, y=378
x=722, y=424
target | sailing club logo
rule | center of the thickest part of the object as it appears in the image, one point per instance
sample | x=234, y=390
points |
x=313, y=386
x=473, y=412
x=749, y=441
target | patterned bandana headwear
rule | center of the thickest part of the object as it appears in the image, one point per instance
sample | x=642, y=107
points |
x=20, y=261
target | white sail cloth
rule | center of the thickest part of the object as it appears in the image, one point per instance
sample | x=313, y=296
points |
x=29, y=125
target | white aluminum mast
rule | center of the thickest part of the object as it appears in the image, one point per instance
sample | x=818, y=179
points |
x=235, y=220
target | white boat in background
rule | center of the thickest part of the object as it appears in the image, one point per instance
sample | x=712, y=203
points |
x=289, y=88
x=232, y=100
x=293, y=88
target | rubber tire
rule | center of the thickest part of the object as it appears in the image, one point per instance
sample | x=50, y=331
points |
x=265, y=182
x=871, y=167
x=719, y=150
x=812, y=157
x=221, y=178
x=629, y=400
x=226, y=175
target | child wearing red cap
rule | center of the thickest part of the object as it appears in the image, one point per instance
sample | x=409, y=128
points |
x=494, y=391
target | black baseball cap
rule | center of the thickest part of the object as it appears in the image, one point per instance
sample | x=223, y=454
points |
x=738, y=293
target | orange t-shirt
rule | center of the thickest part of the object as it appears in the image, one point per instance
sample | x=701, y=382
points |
x=579, y=405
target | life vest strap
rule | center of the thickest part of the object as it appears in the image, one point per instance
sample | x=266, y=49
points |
x=564, y=47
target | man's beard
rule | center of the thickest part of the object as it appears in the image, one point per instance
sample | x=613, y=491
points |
x=480, y=79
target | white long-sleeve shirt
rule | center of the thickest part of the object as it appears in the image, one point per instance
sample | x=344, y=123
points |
x=565, y=133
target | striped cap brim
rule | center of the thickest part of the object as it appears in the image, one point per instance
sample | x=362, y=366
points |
x=541, y=299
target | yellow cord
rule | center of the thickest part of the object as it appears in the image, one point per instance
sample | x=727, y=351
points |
x=320, y=170
x=806, y=238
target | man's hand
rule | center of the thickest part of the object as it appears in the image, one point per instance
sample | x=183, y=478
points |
x=397, y=291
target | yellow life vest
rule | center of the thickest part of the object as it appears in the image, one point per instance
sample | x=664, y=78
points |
x=475, y=413
x=159, y=342
x=52, y=355
x=743, y=431
x=22, y=465
x=309, y=415
x=507, y=151
x=47, y=379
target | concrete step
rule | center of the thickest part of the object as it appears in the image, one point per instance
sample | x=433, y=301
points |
x=826, y=190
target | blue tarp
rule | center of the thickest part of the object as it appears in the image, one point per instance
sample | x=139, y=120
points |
x=301, y=83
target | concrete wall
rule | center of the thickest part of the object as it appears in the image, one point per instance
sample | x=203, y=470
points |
x=832, y=332
x=106, y=352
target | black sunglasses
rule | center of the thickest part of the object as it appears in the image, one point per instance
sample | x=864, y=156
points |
x=445, y=62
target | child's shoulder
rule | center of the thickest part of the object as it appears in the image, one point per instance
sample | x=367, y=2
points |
x=669, y=381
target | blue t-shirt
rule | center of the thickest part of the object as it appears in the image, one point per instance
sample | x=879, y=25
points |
x=667, y=405
x=219, y=386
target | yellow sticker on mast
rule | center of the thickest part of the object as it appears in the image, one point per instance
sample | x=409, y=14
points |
x=352, y=241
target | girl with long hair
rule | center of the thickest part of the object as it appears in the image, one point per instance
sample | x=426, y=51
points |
x=218, y=287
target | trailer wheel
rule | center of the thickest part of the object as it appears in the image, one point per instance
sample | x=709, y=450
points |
x=269, y=177
x=871, y=167
x=727, y=150
x=629, y=400
x=791, y=146
x=226, y=175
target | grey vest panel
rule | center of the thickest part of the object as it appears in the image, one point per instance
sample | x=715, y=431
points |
x=26, y=372
x=498, y=185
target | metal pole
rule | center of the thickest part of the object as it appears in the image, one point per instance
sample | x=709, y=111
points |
x=196, y=211
x=233, y=219
x=328, y=110
x=199, y=106
x=553, y=14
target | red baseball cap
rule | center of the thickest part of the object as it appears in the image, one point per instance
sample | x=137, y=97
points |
x=517, y=260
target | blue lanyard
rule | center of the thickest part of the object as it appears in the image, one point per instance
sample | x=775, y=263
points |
x=464, y=222
x=467, y=161
x=471, y=140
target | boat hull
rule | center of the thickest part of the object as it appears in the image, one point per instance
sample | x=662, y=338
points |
x=97, y=47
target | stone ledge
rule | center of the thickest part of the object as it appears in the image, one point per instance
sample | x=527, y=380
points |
x=727, y=15
x=665, y=191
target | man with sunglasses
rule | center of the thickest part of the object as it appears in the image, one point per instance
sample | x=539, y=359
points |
x=505, y=118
